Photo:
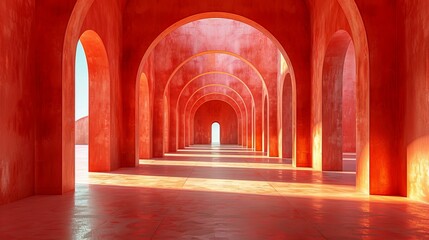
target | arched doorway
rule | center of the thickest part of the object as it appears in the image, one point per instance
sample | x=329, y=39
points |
x=81, y=111
x=349, y=103
x=144, y=118
x=215, y=111
x=99, y=142
x=338, y=101
x=215, y=134
x=286, y=117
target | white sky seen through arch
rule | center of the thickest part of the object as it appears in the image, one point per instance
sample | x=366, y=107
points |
x=81, y=83
x=215, y=133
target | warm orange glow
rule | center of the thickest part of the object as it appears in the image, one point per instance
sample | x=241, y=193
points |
x=279, y=180
x=317, y=146
x=211, y=148
x=418, y=169
x=362, y=170
x=263, y=188
x=196, y=163
x=283, y=65
x=213, y=155
x=314, y=190
x=232, y=150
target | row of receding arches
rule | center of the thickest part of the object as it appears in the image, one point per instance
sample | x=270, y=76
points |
x=338, y=87
x=137, y=107
x=262, y=134
x=307, y=123
x=132, y=89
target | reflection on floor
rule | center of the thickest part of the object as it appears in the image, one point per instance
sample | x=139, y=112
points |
x=222, y=193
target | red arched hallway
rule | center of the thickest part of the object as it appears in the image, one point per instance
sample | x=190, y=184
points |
x=156, y=64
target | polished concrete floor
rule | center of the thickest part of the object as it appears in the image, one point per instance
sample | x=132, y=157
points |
x=214, y=193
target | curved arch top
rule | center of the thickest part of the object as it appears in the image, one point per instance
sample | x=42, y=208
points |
x=214, y=15
x=215, y=72
x=216, y=85
x=213, y=85
x=217, y=52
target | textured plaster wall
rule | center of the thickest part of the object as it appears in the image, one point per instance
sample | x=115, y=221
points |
x=387, y=156
x=81, y=131
x=414, y=69
x=349, y=101
x=17, y=102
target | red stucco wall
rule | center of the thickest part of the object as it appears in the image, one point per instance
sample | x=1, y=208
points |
x=349, y=101
x=81, y=131
x=17, y=100
x=387, y=156
x=414, y=69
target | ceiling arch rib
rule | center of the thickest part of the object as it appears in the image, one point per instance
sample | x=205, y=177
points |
x=237, y=86
x=216, y=52
x=216, y=96
x=218, y=91
x=218, y=30
x=215, y=88
x=199, y=77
